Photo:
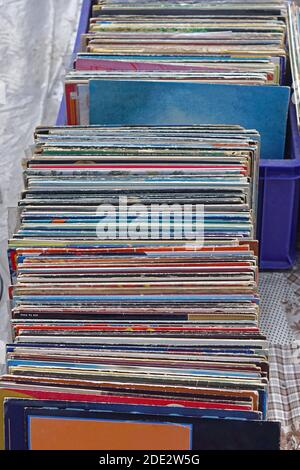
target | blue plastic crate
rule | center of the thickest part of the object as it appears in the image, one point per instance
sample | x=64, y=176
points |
x=279, y=187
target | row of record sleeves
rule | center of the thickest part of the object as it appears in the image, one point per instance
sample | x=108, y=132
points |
x=189, y=60
x=294, y=41
x=151, y=342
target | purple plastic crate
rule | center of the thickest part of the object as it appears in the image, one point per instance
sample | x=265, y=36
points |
x=279, y=187
x=83, y=26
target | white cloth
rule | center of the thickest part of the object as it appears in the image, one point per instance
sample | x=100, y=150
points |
x=36, y=42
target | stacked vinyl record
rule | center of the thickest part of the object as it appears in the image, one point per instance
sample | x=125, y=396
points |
x=155, y=335
x=294, y=46
x=134, y=265
x=229, y=43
